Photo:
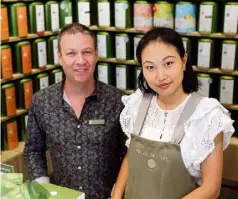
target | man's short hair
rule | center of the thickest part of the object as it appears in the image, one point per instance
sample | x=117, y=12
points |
x=74, y=29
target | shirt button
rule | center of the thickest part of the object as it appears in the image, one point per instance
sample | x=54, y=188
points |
x=79, y=168
x=78, y=126
x=79, y=147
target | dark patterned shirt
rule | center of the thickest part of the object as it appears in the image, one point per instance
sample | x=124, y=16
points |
x=86, y=152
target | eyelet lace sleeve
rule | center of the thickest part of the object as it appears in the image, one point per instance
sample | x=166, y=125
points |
x=128, y=114
x=209, y=119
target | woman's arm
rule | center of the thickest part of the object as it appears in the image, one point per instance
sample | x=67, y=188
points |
x=121, y=182
x=211, y=173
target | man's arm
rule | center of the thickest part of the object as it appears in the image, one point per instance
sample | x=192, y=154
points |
x=35, y=147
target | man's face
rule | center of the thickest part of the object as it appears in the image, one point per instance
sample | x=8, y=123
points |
x=78, y=57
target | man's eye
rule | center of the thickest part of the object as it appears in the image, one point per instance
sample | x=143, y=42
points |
x=87, y=52
x=71, y=53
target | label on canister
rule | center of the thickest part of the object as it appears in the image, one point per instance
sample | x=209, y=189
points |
x=121, y=47
x=228, y=56
x=142, y=16
x=58, y=77
x=103, y=73
x=163, y=15
x=84, y=13
x=204, y=54
x=6, y=63
x=42, y=59
x=54, y=13
x=230, y=21
x=40, y=18
x=226, y=91
x=10, y=98
x=44, y=82
x=136, y=41
x=22, y=21
x=121, y=77
x=12, y=135
x=26, y=59
x=28, y=92
x=104, y=14
x=55, y=52
x=120, y=14
x=4, y=24
x=204, y=89
x=185, y=18
x=205, y=20
x=102, y=45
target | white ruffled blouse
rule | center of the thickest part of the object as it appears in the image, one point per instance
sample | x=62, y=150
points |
x=208, y=120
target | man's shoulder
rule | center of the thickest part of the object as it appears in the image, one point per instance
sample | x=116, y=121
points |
x=109, y=91
x=51, y=91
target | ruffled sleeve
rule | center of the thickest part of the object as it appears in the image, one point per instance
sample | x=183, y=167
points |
x=128, y=114
x=209, y=119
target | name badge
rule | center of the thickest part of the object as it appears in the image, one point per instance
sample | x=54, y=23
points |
x=96, y=122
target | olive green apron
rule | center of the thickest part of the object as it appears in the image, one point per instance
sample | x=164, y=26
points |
x=156, y=169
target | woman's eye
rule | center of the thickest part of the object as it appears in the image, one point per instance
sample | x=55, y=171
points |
x=169, y=63
x=150, y=67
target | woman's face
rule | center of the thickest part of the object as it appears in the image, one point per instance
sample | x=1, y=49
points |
x=163, y=68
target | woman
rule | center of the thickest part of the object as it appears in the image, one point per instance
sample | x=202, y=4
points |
x=176, y=137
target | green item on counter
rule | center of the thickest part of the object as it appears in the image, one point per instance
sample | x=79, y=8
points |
x=66, y=14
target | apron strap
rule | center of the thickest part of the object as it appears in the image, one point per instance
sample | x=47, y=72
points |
x=144, y=106
x=188, y=110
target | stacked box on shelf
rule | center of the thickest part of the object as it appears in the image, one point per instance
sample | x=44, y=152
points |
x=41, y=81
x=106, y=73
x=137, y=38
x=39, y=53
x=83, y=12
x=104, y=13
x=124, y=77
x=122, y=14
x=18, y=20
x=56, y=76
x=22, y=124
x=24, y=93
x=227, y=90
x=4, y=23
x=22, y=57
x=137, y=73
x=8, y=100
x=52, y=16
x=142, y=15
x=104, y=45
x=123, y=50
x=52, y=49
x=66, y=13
x=6, y=62
x=230, y=26
x=9, y=135
x=36, y=18
x=163, y=14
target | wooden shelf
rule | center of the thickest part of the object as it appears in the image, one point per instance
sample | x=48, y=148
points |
x=19, y=113
x=18, y=76
x=195, y=68
x=30, y=36
x=6, y=156
x=13, y=1
x=193, y=34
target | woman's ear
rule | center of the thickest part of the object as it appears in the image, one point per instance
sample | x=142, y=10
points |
x=184, y=60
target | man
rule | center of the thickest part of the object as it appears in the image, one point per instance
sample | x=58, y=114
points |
x=77, y=121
